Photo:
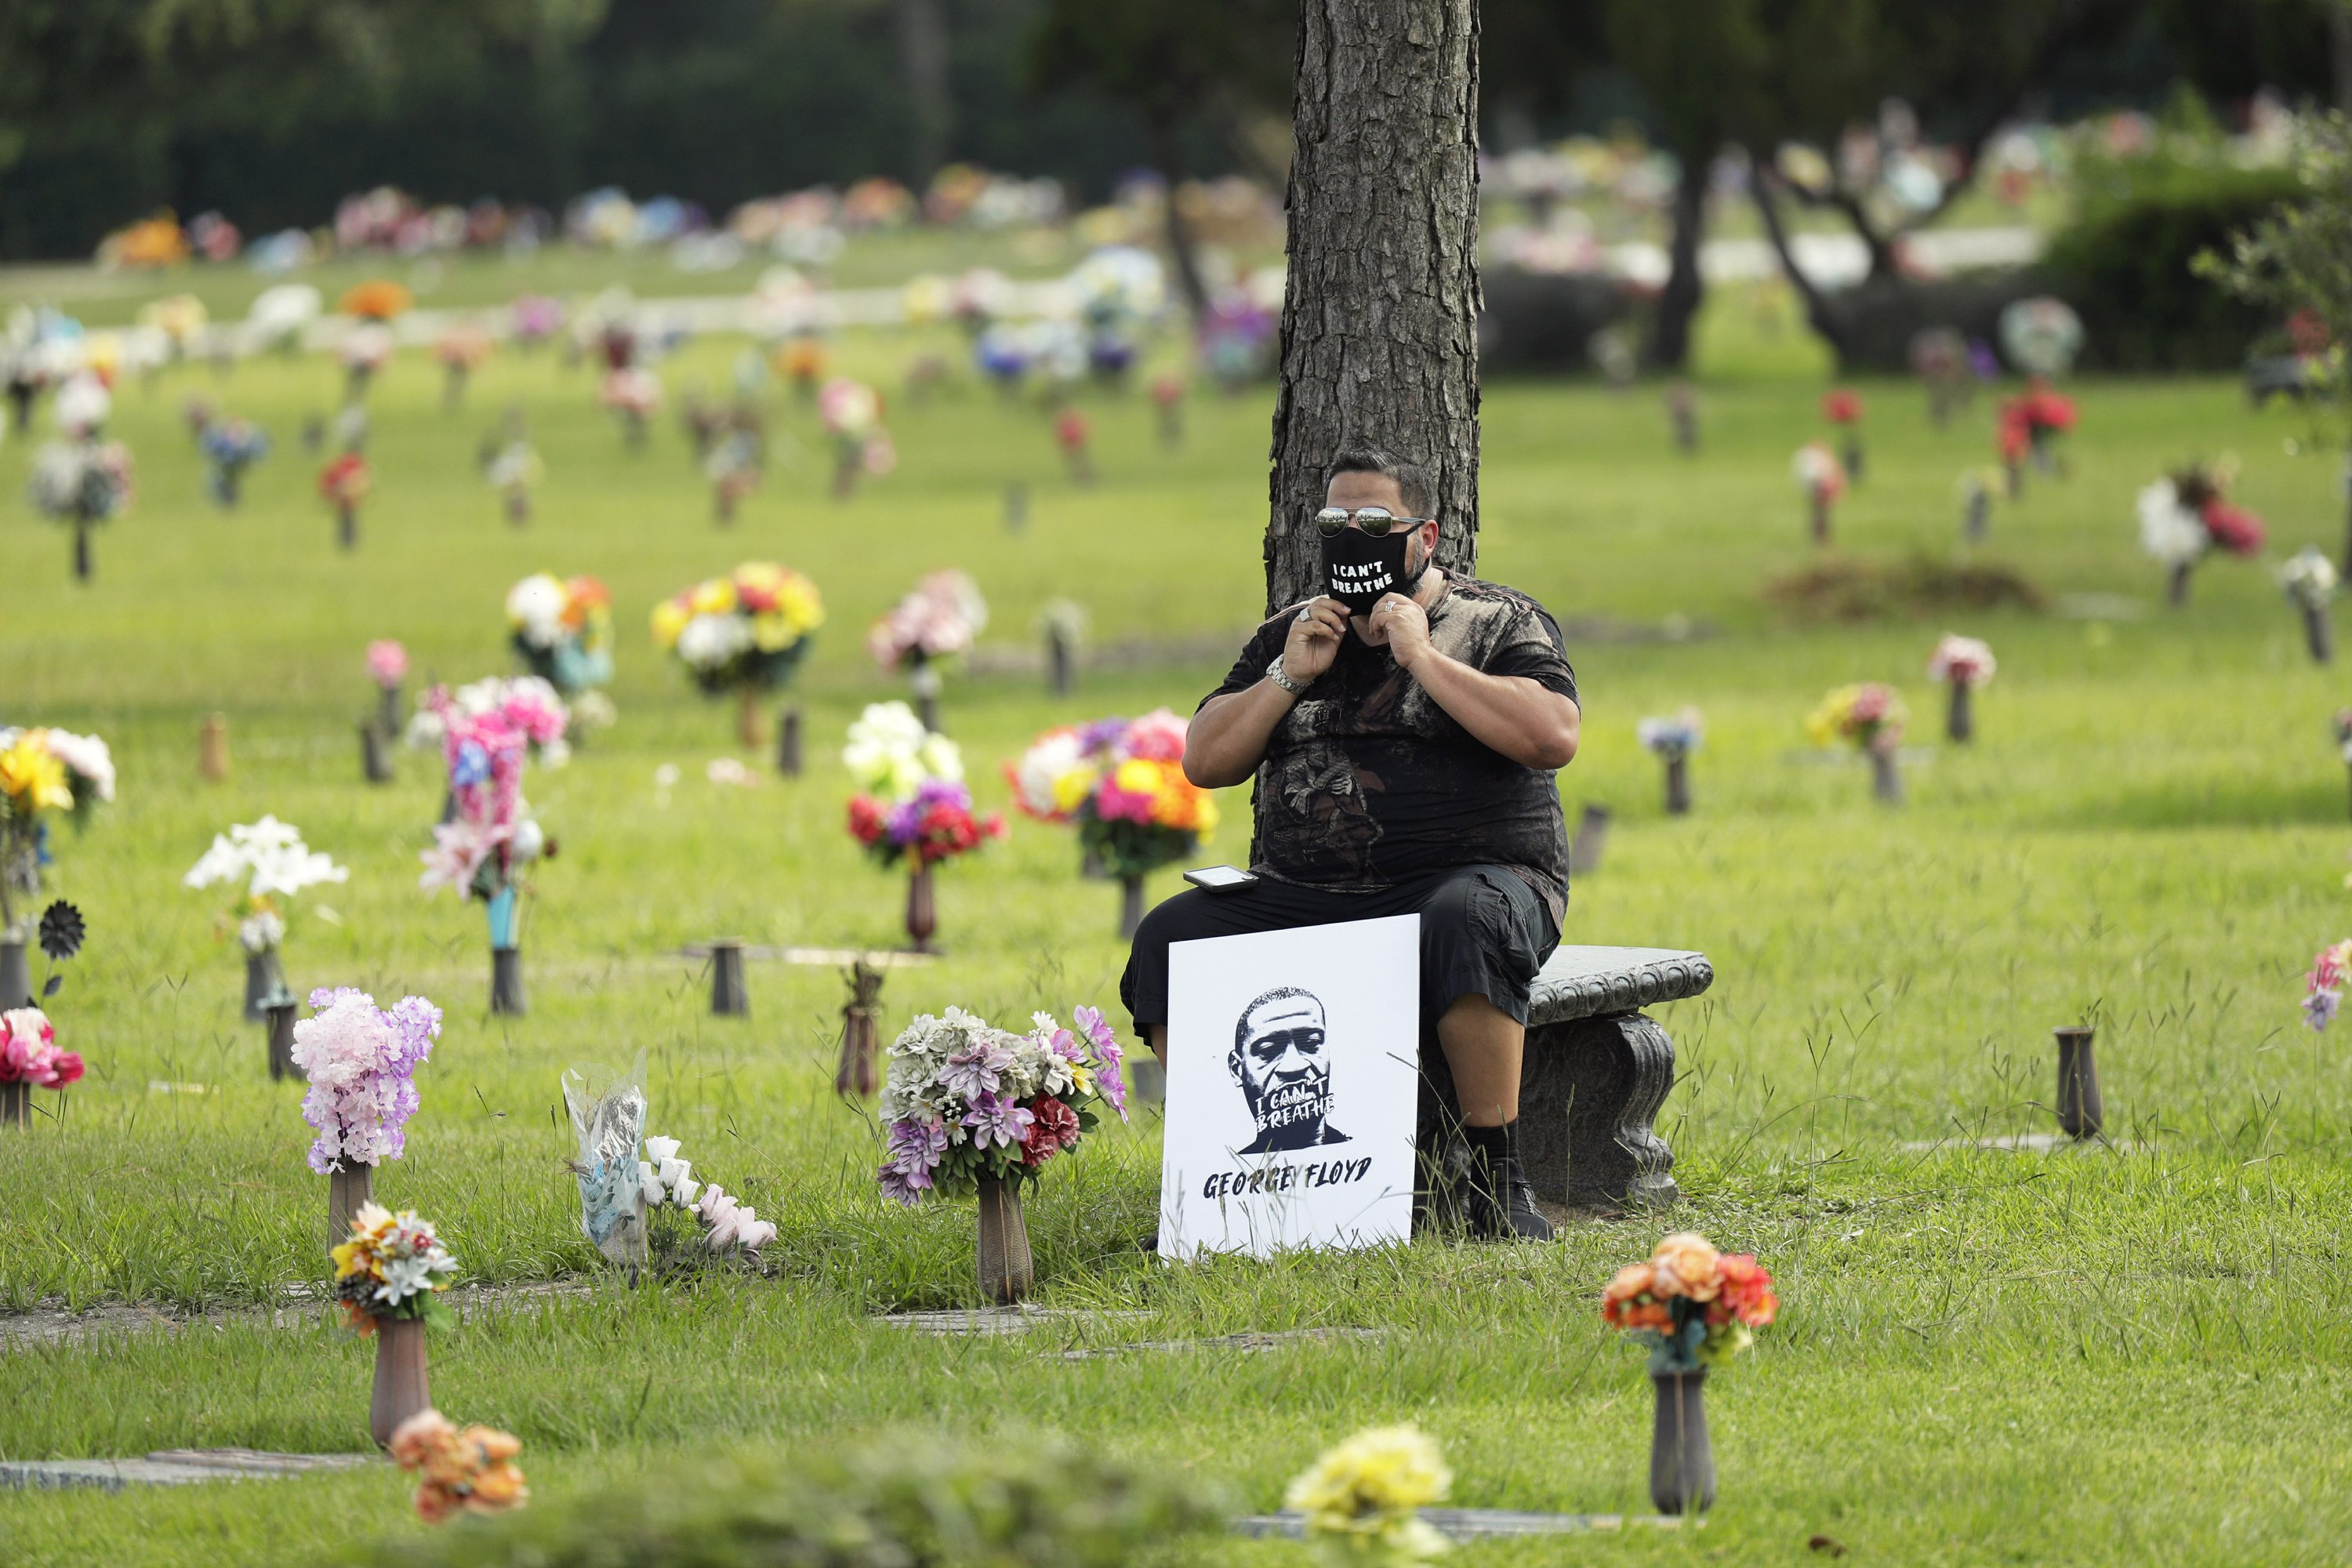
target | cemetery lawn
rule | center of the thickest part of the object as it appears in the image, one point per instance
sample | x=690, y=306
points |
x=2112, y=1354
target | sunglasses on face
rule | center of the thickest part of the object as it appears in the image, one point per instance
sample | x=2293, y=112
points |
x=1376, y=520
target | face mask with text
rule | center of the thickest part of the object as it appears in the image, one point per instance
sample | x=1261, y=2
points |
x=1358, y=569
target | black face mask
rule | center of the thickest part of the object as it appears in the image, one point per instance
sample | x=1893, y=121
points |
x=1359, y=569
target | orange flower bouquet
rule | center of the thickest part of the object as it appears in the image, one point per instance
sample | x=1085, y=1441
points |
x=1692, y=1306
x=472, y=1470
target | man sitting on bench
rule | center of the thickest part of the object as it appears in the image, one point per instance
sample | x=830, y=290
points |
x=1404, y=742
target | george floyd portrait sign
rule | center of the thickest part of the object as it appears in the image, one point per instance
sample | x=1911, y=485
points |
x=1293, y=1068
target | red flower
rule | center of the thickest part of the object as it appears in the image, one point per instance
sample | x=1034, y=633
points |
x=1053, y=1127
x=2233, y=528
x=866, y=819
x=1842, y=407
x=1747, y=1292
x=1070, y=429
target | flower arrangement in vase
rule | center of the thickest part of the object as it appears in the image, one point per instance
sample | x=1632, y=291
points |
x=468, y=1471
x=2187, y=514
x=1695, y=1307
x=939, y=620
x=1871, y=717
x=514, y=470
x=733, y=459
x=2309, y=581
x=366, y=350
x=562, y=630
x=376, y=300
x=1064, y=624
x=851, y=412
x=271, y=859
x=82, y=483
x=1822, y=478
x=634, y=394
x=1121, y=783
x=2028, y=427
x=2323, y=987
x=30, y=1059
x=1843, y=408
x=461, y=351
x=43, y=775
x=230, y=446
x=913, y=805
x=491, y=839
x=360, y=1061
x=1961, y=666
x=745, y=632
x=1672, y=739
x=1073, y=433
x=343, y=484
x=1362, y=1499
x=389, y=1274
x=969, y=1108
x=719, y=1226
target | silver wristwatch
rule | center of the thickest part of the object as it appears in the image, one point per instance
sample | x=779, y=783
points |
x=1275, y=673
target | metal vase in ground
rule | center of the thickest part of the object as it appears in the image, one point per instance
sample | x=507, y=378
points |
x=347, y=1188
x=788, y=743
x=1886, y=776
x=375, y=756
x=2176, y=585
x=1007, y=1274
x=749, y=726
x=15, y=1105
x=387, y=712
x=505, y=982
x=2318, y=634
x=1682, y=1459
x=1130, y=907
x=728, y=996
x=15, y=976
x=281, y=1041
x=922, y=912
x=2081, y=1114
x=1591, y=841
x=1959, y=718
x=1678, y=799
x=263, y=985
x=402, y=1385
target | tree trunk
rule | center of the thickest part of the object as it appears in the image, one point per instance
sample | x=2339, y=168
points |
x=1670, y=331
x=2339, y=52
x=923, y=56
x=1166, y=155
x=1380, y=326
x=1818, y=312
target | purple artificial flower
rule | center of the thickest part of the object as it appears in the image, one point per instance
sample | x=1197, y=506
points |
x=976, y=1070
x=901, y=1188
x=1000, y=1121
x=1099, y=736
x=1107, y=1058
x=915, y=1148
x=2319, y=1009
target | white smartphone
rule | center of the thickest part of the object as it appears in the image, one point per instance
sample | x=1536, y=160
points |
x=1222, y=879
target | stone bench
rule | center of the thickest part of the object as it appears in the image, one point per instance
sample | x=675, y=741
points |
x=1597, y=1070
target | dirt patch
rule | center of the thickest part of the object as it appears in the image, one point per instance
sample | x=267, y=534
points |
x=1843, y=588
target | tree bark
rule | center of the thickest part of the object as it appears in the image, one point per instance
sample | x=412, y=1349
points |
x=1819, y=314
x=1670, y=330
x=923, y=56
x=1165, y=152
x=1380, y=327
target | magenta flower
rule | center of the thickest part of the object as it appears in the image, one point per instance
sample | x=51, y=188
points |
x=1109, y=1074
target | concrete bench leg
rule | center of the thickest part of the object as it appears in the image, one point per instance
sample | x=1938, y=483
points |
x=1588, y=1100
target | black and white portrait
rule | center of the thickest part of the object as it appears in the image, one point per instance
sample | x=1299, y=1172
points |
x=1282, y=1061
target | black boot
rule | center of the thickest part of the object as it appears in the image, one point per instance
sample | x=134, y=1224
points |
x=1497, y=1199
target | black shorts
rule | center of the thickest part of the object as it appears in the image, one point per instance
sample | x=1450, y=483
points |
x=1484, y=931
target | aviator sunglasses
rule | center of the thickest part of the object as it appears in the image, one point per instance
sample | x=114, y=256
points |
x=1376, y=520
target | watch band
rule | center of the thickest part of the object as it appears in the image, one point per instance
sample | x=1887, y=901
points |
x=1280, y=677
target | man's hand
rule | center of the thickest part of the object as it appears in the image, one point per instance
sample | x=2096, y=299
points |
x=1315, y=629
x=1400, y=625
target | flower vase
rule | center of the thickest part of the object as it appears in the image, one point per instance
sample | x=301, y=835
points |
x=349, y=1185
x=1682, y=1459
x=506, y=955
x=1886, y=776
x=2176, y=585
x=1007, y=1274
x=750, y=728
x=2081, y=1114
x=1960, y=716
x=1091, y=868
x=788, y=743
x=2015, y=471
x=263, y=983
x=1130, y=907
x=403, y=1387
x=1678, y=802
x=922, y=916
x=517, y=506
x=1058, y=661
x=1820, y=515
x=2318, y=634
x=15, y=1104
x=388, y=712
x=926, y=682
x=730, y=998
x=281, y=1041
x=375, y=754
x=858, y=1034
x=1854, y=457
x=82, y=550
x=15, y=975
x=347, y=525
x=1978, y=520
x=1591, y=841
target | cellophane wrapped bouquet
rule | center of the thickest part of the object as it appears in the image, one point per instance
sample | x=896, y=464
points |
x=912, y=803
x=562, y=629
x=966, y=1100
x=1121, y=782
x=1694, y=1307
x=393, y=1267
x=361, y=1062
x=750, y=628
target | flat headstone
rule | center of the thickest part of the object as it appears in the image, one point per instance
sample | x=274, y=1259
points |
x=1589, y=981
x=2021, y=1143
x=1252, y=1341
x=1471, y=1523
x=174, y=1466
x=1017, y=1319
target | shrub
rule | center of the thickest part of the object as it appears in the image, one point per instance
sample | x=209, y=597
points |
x=904, y=1502
x=2123, y=262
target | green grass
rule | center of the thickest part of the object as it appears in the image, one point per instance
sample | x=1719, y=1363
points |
x=2098, y=1356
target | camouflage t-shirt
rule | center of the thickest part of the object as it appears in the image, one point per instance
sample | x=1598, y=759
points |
x=1367, y=782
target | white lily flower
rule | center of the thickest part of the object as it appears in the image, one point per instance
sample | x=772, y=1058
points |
x=661, y=1149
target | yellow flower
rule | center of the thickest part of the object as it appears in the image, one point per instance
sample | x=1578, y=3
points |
x=715, y=597
x=772, y=632
x=670, y=619
x=1072, y=788
x=346, y=1257
x=1369, y=1486
x=796, y=597
x=33, y=777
